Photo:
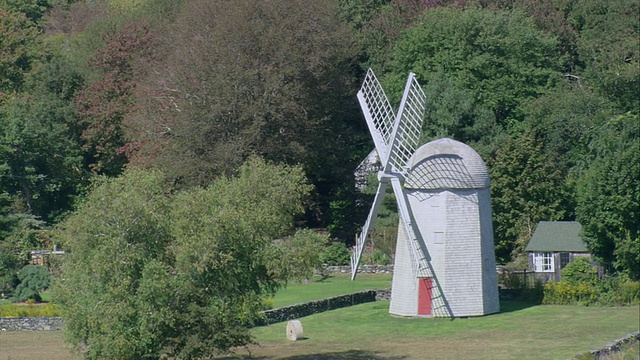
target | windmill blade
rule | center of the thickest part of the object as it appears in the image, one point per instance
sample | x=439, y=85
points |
x=366, y=229
x=408, y=126
x=420, y=254
x=378, y=113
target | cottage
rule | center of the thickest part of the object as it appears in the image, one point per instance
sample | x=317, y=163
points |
x=555, y=244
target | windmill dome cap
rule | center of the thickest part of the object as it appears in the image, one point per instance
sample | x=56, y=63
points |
x=446, y=164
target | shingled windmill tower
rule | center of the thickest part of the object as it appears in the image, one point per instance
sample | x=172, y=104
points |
x=445, y=263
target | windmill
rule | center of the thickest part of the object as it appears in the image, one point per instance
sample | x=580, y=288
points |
x=456, y=282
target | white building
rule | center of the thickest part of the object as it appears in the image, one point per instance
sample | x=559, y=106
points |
x=447, y=186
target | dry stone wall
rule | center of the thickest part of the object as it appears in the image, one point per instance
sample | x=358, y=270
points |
x=362, y=269
x=31, y=324
x=313, y=307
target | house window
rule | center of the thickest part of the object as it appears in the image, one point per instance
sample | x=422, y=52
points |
x=543, y=261
x=565, y=258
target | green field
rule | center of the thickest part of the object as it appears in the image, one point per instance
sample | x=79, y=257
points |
x=521, y=331
x=367, y=331
x=320, y=288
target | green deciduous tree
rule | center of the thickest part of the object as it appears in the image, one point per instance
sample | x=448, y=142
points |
x=453, y=112
x=609, y=46
x=501, y=57
x=526, y=187
x=565, y=119
x=40, y=161
x=150, y=273
x=21, y=47
x=609, y=195
x=119, y=229
x=301, y=253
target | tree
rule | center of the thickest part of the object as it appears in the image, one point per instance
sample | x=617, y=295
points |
x=609, y=46
x=32, y=9
x=118, y=232
x=301, y=253
x=20, y=46
x=33, y=280
x=40, y=162
x=149, y=273
x=526, y=187
x=501, y=57
x=103, y=105
x=609, y=195
x=252, y=78
x=452, y=112
x=565, y=119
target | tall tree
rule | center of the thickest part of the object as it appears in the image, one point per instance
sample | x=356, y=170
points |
x=254, y=78
x=565, y=119
x=526, y=187
x=609, y=46
x=501, y=57
x=453, y=112
x=609, y=195
x=21, y=48
x=40, y=159
x=103, y=105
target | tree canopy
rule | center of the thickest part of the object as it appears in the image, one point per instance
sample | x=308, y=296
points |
x=149, y=273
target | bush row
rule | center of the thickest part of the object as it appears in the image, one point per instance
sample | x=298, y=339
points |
x=608, y=291
x=31, y=310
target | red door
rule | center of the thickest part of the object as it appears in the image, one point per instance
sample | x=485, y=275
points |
x=425, y=286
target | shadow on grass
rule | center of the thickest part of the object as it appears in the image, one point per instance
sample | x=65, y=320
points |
x=507, y=306
x=343, y=355
x=324, y=278
x=351, y=354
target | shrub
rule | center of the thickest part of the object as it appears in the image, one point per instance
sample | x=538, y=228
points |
x=336, y=254
x=33, y=279
x=565, y=293
x=617, y=290
x=580, y=271
x=629, y=292
x=302, y=253
x=378, y=257
x=31, y=310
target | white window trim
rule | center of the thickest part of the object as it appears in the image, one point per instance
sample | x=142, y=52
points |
x=543, y=261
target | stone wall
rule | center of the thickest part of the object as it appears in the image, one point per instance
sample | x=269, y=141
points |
x=613, y=347
x=31, y=323
x=362, y=269
x=313, y=307
x=286, y=313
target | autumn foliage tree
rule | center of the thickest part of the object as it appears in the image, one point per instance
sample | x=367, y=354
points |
x=249, y=78
x=103, y=105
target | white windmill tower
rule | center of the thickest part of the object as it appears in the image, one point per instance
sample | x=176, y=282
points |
x=444, y=263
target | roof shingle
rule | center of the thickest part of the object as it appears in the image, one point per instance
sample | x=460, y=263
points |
x=557, y=236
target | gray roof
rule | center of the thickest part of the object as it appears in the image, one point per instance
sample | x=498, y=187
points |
x=446, y=164
x=557, y=236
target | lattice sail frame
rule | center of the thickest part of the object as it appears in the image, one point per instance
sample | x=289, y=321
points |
x=396, y=139
x=378, y=113
x=408, y=125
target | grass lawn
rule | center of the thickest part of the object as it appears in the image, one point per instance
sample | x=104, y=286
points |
x=520, y=331
x=23, y=345
x=334, y=285
x=367, y=331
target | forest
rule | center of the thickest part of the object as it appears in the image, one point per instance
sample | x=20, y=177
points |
x=547, y=92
